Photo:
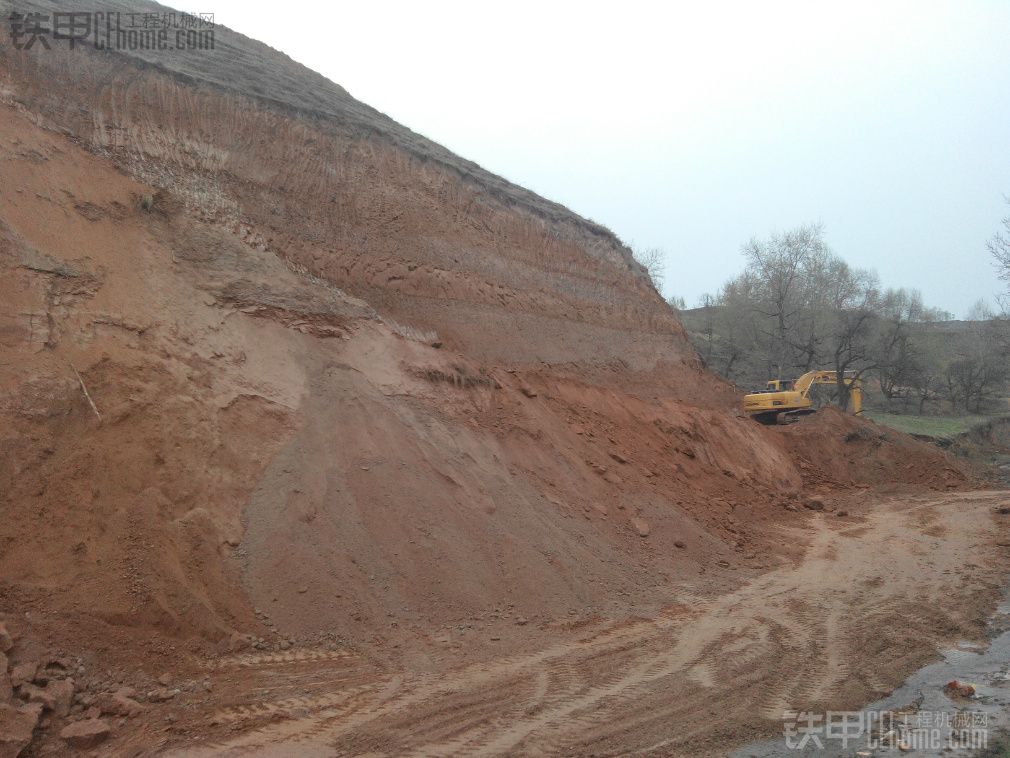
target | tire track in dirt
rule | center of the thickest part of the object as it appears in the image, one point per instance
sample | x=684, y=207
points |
x=787, y=639
x=255, y=660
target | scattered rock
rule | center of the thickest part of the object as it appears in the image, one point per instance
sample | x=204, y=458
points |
x=1003, y=510
x=613, y=478
x=161, y=694
x=842, y=514
x=119, y=703
x=641, y=526
x=521, y=621
x=679, y=543
x=6, y=641
x=86, y=734
x=165, y=679
x=954, y=688
x=814, y=503
x=16, y=727
x=528, y=391
x=35, y=694
x=239, y=642
x=62, y=693
x=57, y=666
x=618, y=457
x=23, y=673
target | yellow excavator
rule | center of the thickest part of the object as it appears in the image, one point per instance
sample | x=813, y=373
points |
x=785, y=400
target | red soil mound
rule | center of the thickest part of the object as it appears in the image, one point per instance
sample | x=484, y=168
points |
x=834, y=449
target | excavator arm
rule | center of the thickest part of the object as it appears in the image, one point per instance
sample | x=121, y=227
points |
x=785, y=400
x=809, y=379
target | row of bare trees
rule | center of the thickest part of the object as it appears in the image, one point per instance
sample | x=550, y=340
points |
x=798, y=306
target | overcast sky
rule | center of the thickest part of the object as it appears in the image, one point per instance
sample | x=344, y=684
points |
x=694, y=126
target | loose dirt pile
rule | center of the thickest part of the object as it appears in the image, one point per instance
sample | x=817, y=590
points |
x=277, y=387
x=836, y=450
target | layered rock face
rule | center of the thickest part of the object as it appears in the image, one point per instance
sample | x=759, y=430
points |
x=244, y=138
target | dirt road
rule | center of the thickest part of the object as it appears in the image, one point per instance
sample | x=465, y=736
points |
x=876, y=594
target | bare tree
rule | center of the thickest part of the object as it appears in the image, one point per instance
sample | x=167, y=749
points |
x=979, y=374
x=814, y=310
x=707, y=306
x=974, y=383
x=899, y=359
x=653, y=260
x=741, y=337
x=999, y=246
x=853, y=301
x=778, y=266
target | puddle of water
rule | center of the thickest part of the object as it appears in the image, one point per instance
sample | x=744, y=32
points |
x=988, y=668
